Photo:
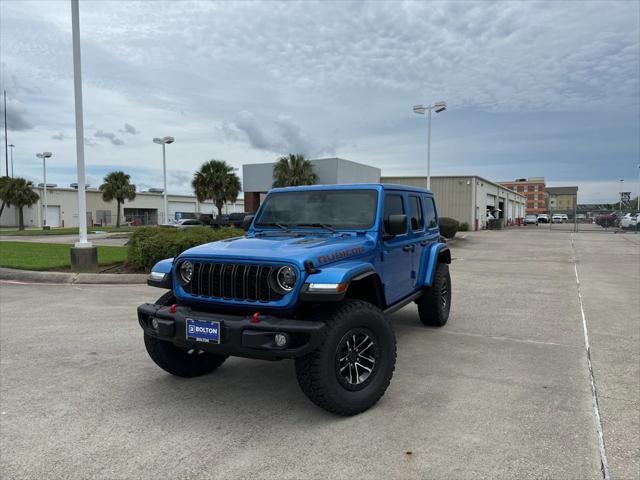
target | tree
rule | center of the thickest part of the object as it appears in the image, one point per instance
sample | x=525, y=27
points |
x=216, y=181
x=292, y=170
x=19, y=194
x=5, y=182
x=117, y=187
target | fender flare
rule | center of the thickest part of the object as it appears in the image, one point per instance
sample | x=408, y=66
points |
x=438, y=253
x=160, y=275
x=338, y=273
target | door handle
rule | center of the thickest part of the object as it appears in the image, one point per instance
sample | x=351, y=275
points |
x=408, y=248
x=424, y=243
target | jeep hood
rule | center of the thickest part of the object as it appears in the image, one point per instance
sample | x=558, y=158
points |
x=320, y=249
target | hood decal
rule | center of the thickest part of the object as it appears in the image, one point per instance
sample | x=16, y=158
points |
x=340, y=254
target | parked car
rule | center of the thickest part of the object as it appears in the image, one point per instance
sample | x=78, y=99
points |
x=629, y=220
x=312, y=280
x=185, y=223
x=543, y=218
x=531, y=220
x=557, y=218
x=608, y=220
x=565, y=217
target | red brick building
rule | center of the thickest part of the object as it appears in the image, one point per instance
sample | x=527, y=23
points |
x=534, y=189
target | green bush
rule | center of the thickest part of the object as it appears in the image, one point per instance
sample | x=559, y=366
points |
x=449, y=227
x=149, y=245
x=464, y=227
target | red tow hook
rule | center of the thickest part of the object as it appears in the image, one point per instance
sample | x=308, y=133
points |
x=255, y=318
x=173, y=308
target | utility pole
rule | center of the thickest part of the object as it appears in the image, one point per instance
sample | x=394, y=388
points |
x=6, y=141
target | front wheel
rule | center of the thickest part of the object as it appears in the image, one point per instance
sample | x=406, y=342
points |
x=435, y=304
x=178, y=361
x=353, y=366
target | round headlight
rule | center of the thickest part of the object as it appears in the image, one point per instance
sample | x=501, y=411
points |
x=186, y=271
x=286, y=278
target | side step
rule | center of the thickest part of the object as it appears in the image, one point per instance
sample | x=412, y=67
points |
x=406, y=300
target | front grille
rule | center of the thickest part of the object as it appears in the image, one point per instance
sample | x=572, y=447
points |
x=232, y=281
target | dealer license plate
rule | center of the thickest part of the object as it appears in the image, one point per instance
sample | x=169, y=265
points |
x=201, y=331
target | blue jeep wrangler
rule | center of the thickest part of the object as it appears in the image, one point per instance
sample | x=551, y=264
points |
x=314, y=279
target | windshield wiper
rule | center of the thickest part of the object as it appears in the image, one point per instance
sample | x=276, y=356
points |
x=274, y=224
x=316, y=225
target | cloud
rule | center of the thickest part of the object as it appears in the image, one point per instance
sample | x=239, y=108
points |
x=17, y=117
x=130, y=129
x=279, y=135
x=58, y=136
x=110, y=136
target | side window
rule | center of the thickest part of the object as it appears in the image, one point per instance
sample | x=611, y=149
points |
x=430, y=212
x=392, y=206
x=417, y=222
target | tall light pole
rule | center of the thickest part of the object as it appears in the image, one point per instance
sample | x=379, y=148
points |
x=421, y=109
x=11, y=146
x=164, y=141
x=44, y=156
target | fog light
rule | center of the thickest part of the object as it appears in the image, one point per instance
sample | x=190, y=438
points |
x=154, y=323
x=281, y=339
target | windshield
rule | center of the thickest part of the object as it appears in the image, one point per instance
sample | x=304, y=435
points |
x=319, y=208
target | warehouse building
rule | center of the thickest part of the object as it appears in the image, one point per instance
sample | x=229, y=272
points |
x=257, y=178
x=146, y=209
x=469, y=199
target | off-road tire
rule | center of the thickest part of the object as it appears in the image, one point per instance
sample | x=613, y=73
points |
x=433, y=311
x=318, y=372
x=175, y=360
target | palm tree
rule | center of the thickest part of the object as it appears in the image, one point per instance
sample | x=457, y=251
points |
x=5, y=183
x=292, y=170
x=216, y=181
x=20, y=194
x=116, y=187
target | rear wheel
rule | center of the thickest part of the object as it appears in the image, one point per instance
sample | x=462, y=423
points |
x=353, y=366
x=182, y=362
x=434, y=306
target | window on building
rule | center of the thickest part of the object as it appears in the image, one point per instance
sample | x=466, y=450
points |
x=417, y=222
x=535, y=188
x=392, y=206
x=526, y=188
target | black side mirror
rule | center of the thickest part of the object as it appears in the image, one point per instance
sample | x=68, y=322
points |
x=397, y=225
x=246, y=221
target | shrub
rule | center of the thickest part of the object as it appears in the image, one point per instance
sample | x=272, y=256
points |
x=464, y=227
x=149, y=245
x=448, y=227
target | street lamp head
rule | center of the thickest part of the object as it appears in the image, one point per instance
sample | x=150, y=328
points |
x=44, y=155
x=419, y=109
x=11, y=145
x=164, y=140
x=440, y=106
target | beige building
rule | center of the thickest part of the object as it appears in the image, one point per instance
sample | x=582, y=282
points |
x=562, y=199
x=469, y=198
x=146, y=209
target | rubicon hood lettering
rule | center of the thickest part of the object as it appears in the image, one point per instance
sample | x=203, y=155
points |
x=340, y=254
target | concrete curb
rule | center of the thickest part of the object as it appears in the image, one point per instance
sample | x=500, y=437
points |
x=64, y=277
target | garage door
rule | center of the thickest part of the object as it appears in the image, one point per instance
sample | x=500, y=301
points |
x=491, y=200
x=53, y=215
x=180, y=207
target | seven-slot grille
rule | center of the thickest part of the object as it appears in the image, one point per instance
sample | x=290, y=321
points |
x=232, y=281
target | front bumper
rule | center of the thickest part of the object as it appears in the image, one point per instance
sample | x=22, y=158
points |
x=239, y=335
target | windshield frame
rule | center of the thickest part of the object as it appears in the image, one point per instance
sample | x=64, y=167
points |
x=257, y=226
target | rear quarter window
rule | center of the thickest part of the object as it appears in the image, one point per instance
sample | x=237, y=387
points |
x=430, y=212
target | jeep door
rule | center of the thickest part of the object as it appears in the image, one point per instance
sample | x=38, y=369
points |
x=396, y=254
x=419, y=235
x=431, y=233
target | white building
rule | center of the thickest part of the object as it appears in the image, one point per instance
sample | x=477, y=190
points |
x=146, y=209
x=469, y=198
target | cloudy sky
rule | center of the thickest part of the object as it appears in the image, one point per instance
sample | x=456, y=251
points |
x=534, y=89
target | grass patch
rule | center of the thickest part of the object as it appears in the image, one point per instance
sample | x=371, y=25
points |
x=63, y=231
x=51, y=256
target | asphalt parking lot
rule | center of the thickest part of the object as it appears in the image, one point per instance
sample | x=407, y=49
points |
x=503, y=391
